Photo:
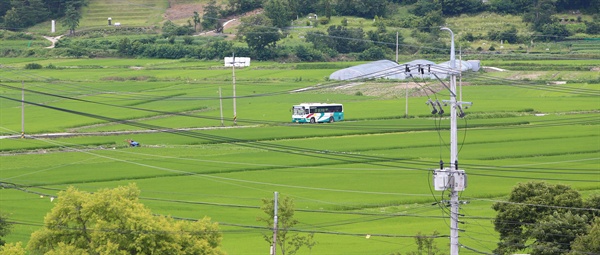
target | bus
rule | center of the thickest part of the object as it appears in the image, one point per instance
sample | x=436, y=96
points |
x=317, y=112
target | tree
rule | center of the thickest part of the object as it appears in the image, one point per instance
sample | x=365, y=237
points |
x=528, y=204
x=348, y=39
x=12, y=20
x=4, y=7
x=287, y=241
x=12, y=249
x=553, y=31
x=278, y=12
x=422, y=7
x=362, y=8
x=4, y=228
x=72, y=17
x=258, y=32
x=431, y=22
x=29, y=12
x=540, y=13
x=240, y=6
x=589, y=243
x=426, y=244
x=510, y=6
x=592, y=27
x=325, y=7
x=113, y=221
x=210, y=17
x=457, y=7
x=57, y=8
x=319, y=40
x=554, y=233
x=197, y=20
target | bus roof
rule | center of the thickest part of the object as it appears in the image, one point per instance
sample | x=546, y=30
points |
x=315, y=104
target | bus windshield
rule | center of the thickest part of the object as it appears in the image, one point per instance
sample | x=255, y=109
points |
x=299, y=110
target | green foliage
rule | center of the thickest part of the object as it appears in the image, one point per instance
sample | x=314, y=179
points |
x=372, y=54
x=457, y=7
x=588, y=243
x=553, y=32
x=197, y=20
x=308, y=54
x=509, y=35
x=431, y=22
x=365, y=9
x=423, y=7
x=113, y=221
x=210, y=17
x=540, y=14
x=278, y=12
x=188, y=40
x=555, y=232
x=4, y=228
x=517, y=223
x=258, y=32
x=288, y=242
x=324, y=20
x=592, y=27
x=24, y=14
x=351, y=39
x=72, y=17
x=12, y=249
x=171, y=29
x=426, y=245
x=33, y=66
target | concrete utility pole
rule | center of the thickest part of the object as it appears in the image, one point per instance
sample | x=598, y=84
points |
x=396, y=47
x=22, y=109
x=453, y=152
x=274, y=245
x=451, y=178
x=234, y=104
x=221, y=105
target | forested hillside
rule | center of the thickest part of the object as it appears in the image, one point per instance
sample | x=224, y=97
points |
x=297, y=30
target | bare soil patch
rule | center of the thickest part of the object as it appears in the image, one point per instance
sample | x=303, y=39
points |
x=388, y=90
x=178, y=11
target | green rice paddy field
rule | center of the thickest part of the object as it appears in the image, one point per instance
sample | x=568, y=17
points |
x=363, y=185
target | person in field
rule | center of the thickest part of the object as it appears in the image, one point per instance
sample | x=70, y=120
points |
x=133, y=143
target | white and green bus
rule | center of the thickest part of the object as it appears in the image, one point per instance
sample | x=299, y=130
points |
x=317, y=112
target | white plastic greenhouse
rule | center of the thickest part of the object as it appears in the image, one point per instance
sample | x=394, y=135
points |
x=387, y=69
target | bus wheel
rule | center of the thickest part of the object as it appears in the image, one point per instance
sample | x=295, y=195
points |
x=312, y=120
x=331, y=120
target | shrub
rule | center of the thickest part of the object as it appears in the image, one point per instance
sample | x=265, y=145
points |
x=373, y=53
x=323, y=20
x=33, y=66
x=188, y=40
x=308, y=54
